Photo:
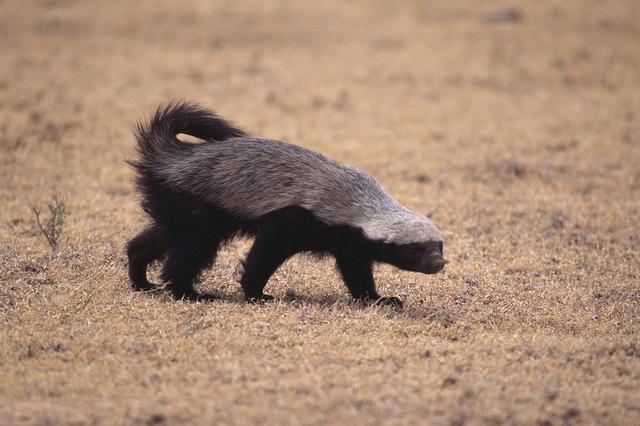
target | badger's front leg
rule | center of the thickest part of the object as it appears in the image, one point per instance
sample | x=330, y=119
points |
x=357, y=273
x=270, y=249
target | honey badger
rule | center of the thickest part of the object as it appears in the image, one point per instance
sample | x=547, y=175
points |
x=292, y=200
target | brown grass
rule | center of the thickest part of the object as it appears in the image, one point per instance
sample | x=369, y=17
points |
x=517, y=132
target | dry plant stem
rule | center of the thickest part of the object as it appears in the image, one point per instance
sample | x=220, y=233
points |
x=52, y=228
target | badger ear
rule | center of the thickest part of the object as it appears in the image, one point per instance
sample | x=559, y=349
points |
x=385, y=231
x=372, y=230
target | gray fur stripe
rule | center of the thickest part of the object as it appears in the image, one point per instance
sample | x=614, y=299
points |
x=251, y=177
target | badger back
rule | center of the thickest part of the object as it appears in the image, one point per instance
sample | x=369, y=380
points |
x=250, y=177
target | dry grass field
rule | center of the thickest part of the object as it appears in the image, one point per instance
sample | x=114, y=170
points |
x=514, y=125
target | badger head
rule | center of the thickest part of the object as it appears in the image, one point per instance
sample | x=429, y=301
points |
x=408, y=241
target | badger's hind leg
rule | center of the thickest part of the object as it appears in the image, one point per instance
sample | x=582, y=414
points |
x=357, y=274
x=143, y=249
x=186, y=258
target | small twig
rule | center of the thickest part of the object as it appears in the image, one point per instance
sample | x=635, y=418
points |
x=52, y=228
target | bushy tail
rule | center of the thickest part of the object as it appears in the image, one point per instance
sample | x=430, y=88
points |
x=158, y=135
x=159, y=147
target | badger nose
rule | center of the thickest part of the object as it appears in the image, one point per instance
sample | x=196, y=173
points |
x=434, y=263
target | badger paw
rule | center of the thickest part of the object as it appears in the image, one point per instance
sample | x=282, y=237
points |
x=393, y=301
x=143, y=286
x=259, y=299
x=192, y=296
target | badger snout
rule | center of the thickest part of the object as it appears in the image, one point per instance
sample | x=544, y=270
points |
x=433, y=260
x=425, y=257
x=432, y=263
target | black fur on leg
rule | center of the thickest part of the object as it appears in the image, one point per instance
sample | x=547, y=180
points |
x=185, y=261
x=143, y=249
x=273, y=245
x=357, y=274
x=193, y=245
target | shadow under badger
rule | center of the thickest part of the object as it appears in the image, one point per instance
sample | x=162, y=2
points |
x=291, y=199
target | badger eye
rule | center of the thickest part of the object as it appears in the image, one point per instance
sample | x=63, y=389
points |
x=416, y=250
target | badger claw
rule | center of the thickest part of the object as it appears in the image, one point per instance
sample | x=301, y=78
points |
x=392, y=301
x=259, y=299
x=192, y=296
x=143, y=286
